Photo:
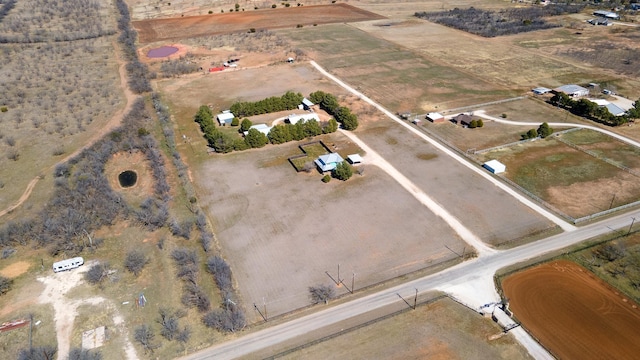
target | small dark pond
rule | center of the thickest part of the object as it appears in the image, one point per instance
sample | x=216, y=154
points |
x=127, y=178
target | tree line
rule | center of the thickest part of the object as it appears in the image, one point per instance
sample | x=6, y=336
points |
x=543, y=131
x=587, y=108
x=288, y=101
x=138, y=73
x=489, y=23
x=223, y=142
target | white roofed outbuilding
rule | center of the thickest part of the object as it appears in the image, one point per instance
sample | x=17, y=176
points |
x=495, y=166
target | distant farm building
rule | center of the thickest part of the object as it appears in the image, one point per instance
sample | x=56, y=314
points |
x=295, y=118
x=606, y=14
x=263, y=128
x=224, y=118
x=67, y=264
x=572, y=90
x=495, y=166
x=435, y=117
x=307, y=105
x=463, y=119
x=354, y=159
x=541, y=90
x=328, y=162
x=635, y=6
x=612, y=108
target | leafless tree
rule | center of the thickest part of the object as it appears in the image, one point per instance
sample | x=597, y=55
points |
x=321, y=293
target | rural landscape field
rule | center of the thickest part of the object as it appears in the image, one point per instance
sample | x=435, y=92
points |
x=315, y=180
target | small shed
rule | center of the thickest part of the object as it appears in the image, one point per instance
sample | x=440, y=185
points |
x=307, y=104
x=354, y=159
x=495, y=166
x=263, y=128
x=435, y=117
x=541, y=90
x=224, y=118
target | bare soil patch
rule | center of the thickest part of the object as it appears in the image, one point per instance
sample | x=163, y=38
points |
x=573, y=313
x=185, y=27
x=282, y=230
x=16, y=269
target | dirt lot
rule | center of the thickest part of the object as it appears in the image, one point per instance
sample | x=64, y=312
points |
x=282, y=230
x=185, y=27
x=574, y=314
x=463, y=194
x=440, y=330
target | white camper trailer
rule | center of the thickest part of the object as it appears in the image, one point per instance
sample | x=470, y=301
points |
x=67, y=264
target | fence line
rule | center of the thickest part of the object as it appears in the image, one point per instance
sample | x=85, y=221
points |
x=599, y=157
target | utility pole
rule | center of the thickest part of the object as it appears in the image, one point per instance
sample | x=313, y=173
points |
x=353, y=282
x=259, y=312
x=415, y=300
x=632, y=221
x=612, y=200
x=339, y=280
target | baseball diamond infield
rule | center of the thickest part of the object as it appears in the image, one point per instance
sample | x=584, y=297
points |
x=574, y=314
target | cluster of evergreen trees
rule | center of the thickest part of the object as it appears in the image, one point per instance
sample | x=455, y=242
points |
x=329, y=103
x=223, y=142
x=587, y=108
x=543, y=131
x=288, y=101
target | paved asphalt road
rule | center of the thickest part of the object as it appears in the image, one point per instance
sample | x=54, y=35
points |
x=466, y=272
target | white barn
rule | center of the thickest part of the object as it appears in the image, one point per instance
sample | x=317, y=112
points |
x=263, y=128
x=495, y=166
x=572, y=90
x=224, y=118
x=295, y=118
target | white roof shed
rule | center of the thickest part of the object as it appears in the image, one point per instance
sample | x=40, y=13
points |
x=495, y=166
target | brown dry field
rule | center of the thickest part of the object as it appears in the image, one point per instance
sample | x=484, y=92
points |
x=574, y=314
x=440, y=330
x=464, y=194
x=282, y=230
x=193, y=26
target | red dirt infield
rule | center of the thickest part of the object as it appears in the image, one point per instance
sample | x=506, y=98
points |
x=574, y=314
x=193, y=26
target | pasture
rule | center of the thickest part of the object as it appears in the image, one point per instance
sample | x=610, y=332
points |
x=442, y=329
x=572, y=313
x=571, y=180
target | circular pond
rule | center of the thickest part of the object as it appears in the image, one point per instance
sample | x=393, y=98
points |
x=163, y=51
x=127, y=178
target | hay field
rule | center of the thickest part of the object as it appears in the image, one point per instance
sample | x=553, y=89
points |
x=400, y=78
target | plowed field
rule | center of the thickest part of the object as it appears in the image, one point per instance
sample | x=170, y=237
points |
x=192, y=26
x=574, y=314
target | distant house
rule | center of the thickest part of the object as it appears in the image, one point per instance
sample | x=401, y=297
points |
x=225, y=118
x=606, y=14
x=308, y=105
x=463, y=119
x=435, y=117
x=572, y=90
x=540, y=90
x=328, y=162
x=354, y=159
x=263, y=128
x=495, y=166
x=295, y=118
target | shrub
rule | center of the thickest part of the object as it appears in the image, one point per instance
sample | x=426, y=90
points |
x=97, y=273
x=343, y=171
x=84, y=354
x=210, y=11
x=504, y=116
x=321, y=293
x=299, y=25
x=4, y=109
x=326, y=178
x=273, y=6
x=5, y=285
x=145, y=336
x=135, y=261
x=235, y=122
x=38, y=353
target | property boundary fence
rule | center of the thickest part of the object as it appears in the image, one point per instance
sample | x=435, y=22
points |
x=304, y=153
